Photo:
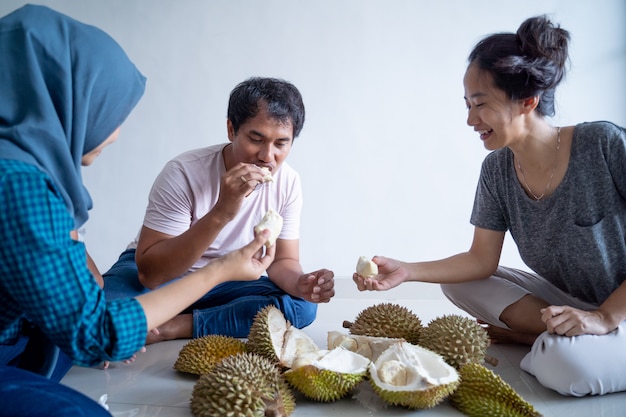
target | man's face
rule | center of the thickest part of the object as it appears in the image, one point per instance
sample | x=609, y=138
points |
x=262, y=141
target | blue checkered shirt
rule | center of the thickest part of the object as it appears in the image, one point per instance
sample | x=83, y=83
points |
x=44, y=278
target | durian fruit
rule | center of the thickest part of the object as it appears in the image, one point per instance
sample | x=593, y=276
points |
x=366, y=268
x=387, y=320
x=199, y=355
x=328, y=377
x=482, y=393
x=369, y=346
x=458, y=339
x=267, y=175
x=273, y=222
x=411, y=376
x=242, y=385
x=272, y=336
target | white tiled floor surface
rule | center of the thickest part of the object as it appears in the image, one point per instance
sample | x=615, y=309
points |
x=150, y=387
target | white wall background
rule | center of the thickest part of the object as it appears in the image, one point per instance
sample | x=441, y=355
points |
x=388, y=164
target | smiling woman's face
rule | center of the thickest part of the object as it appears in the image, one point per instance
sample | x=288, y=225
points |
x=89, y=157
x=489, y=111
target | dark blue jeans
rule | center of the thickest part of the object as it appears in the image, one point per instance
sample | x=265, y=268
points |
x=34, y=352
x=26, y=394
x=228, y=309
x=30, y=371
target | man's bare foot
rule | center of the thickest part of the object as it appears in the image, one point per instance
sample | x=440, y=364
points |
x=500, y=335
x=180, y=327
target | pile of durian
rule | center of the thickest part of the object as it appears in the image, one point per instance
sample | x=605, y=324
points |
x=405, y=363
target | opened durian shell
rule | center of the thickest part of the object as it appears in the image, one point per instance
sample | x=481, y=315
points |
x=273, y=337
x=411, y=376
x=328, y=375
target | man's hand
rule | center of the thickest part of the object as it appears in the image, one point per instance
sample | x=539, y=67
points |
x=235, y=185
x=318, y=286
x=391, y=273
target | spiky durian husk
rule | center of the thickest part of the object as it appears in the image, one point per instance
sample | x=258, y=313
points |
x=458, y=339
x=260, y=336
x=321, y=384
x=388, y=320
x=242, y=385
x=482, y=393
x=414, y=400
x=199, y=355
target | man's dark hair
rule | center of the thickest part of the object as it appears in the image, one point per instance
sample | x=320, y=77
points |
x=279, y=98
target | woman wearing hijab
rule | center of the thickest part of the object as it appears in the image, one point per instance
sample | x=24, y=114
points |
x=66, y=88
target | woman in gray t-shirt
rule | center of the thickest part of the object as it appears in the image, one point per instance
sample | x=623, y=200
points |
x=561, y=193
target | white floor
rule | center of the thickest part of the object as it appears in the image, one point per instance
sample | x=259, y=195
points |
x=151, y=387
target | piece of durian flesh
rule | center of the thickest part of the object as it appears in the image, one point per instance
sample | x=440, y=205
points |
x=273, y=222
x=366, y=267
x=369, y=346
x=267, y=177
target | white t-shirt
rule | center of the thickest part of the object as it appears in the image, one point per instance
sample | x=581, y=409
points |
x=188, y=187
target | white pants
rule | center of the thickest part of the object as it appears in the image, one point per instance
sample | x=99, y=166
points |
x=577, y=366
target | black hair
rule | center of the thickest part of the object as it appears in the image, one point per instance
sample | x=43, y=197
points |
x=279, y=98
x=528, y=63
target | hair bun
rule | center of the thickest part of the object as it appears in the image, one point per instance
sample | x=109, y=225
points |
x=540, y=38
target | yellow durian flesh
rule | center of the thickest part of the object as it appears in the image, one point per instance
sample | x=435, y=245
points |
x=307, y=358
x=267, y=175
x=273, y=337
x=411, y=376
x=394, y=372
x=296, y=343
x=366, y=267
x=369, y=346
x=273, y=222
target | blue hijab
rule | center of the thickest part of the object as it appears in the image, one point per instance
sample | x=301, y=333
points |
x=65, y=87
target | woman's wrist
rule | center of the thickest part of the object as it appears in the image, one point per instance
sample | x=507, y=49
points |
x=610, y=319
x=215, y=272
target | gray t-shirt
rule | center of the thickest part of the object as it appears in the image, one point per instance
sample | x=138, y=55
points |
x=575, y=238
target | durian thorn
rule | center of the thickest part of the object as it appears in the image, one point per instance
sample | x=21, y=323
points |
x=347, y=324
x=274, y=408
x=491, y=360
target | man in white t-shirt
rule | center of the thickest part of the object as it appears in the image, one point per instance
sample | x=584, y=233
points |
x=206, y=202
